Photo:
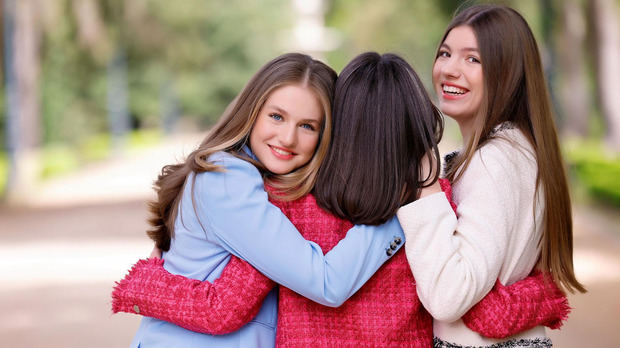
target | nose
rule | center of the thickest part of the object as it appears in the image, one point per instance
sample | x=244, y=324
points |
x=288, y=136
x=450, y=68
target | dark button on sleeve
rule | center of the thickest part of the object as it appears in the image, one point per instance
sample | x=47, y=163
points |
x=389, y=252
x=397, y=240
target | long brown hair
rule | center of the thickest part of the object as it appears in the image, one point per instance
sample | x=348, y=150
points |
x=232, y=132
x=515, y=91
x=384, y=123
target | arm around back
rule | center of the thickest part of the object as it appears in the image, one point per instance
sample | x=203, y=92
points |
x=509, y=310
x=217, y=308
x=234, y=210
x=456, y=262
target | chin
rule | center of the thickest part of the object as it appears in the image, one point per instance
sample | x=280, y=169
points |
x=280, y=171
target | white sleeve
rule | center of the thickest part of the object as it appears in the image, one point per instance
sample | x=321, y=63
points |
x=456, y=262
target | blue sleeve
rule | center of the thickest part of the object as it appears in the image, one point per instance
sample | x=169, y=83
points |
x=233, y=208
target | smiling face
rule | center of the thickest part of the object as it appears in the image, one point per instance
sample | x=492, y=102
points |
x=458, y=78
x=287, y=128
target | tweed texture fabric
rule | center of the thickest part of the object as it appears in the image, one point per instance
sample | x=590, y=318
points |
x=384, y=312
x=542, y=302
x=218, y=308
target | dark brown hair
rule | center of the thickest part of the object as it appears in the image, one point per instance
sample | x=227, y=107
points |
x=384, y=123
x=515, y=91
x=232, y=132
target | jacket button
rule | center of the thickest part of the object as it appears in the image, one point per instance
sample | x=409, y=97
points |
x=136, y=309
x=393, y=245
x=389, y=252
x=397, y=240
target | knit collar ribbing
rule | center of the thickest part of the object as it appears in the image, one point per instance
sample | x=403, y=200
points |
x=497, y=130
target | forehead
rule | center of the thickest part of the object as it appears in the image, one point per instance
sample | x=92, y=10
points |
x=297, y=100
x=461, y=36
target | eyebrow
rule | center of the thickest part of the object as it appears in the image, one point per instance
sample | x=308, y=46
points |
x=466, y=49
x=282, y=111
x=277, y=108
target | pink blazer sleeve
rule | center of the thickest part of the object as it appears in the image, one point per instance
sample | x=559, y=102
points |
x=508, y=310
x=217, y=308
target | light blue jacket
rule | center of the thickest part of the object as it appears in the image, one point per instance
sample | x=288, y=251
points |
x=232, y=215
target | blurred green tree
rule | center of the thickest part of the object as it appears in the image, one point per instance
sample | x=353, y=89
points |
x=185, y=58
x=604, y=17
x=202, y=52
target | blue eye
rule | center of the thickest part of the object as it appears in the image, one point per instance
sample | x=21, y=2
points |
x=276, y=117
x=307, y=126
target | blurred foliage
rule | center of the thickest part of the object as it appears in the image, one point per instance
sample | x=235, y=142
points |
x=199, y=53
x=59, y=158
x=411, y=29
x=4, y=169
x=187, y=60
x=596, y=168
x=144, y=138
x=408, y=28
x=191, y=58
x=3, y=118
x=96, y=147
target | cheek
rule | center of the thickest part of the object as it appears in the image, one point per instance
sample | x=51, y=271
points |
x=310, y=144
x=435, y=75
x=480, y=87
x=478, y=79
x=256, y=133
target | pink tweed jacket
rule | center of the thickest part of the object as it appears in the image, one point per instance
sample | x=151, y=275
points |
x=384, y=312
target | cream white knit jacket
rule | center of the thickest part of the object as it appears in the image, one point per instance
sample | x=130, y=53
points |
x=457, y=260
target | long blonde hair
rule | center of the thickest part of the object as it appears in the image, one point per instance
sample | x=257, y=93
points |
x=232, y=132
x=515, y=91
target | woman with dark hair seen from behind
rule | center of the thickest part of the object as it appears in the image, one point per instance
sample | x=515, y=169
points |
x=509, y=182
x=384, y=123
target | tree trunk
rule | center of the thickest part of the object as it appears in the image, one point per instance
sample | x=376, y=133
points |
x=575, y=100
x=91, y=29
x=23, y=97
x=604, y=17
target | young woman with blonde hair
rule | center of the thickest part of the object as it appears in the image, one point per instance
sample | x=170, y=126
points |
x=509, y=180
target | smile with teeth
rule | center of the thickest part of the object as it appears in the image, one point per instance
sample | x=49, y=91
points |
x=281, y=151
x=453, y=90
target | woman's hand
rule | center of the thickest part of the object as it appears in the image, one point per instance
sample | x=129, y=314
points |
x=155, y=253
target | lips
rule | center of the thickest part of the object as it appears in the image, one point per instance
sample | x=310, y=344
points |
x=450, y=91
x=281, y=153
x=453, y=90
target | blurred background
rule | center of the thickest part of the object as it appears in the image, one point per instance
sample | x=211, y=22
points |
x=97, y=95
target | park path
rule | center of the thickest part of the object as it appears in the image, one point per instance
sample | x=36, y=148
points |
x=61, y=253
